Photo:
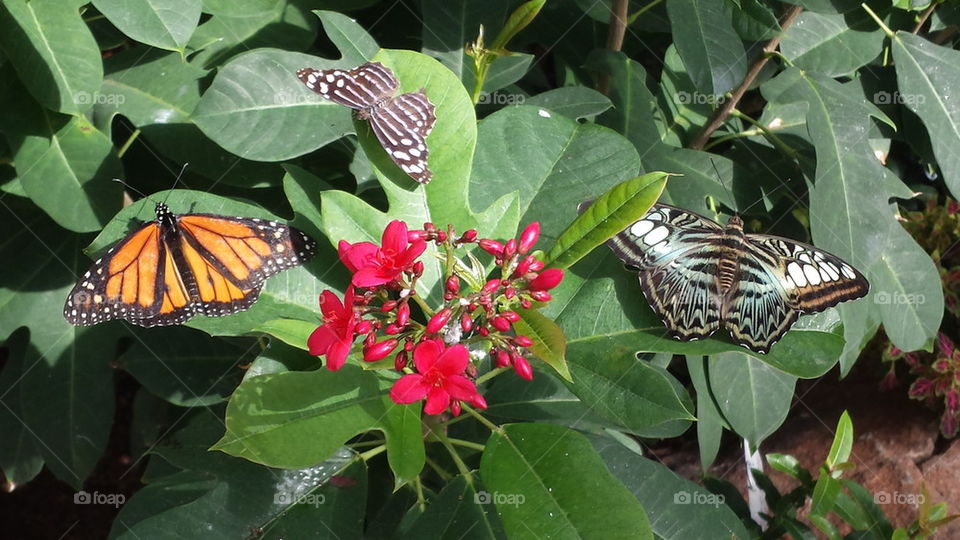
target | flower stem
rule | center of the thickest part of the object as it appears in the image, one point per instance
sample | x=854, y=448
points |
x=421, y=500
x=480, y=418
x=444, y=475
x=467, y=444
x=366, y=456
x=491, y=374
x=437, y=431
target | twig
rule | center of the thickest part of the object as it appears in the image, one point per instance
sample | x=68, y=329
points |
x=924, y=17
x=720, y=115
x=615, y=34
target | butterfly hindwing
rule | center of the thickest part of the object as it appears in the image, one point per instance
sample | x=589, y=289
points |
x=401, y=123
x=179, y=266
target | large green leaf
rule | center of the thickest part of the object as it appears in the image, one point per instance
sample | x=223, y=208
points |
x=231, y=498
x=575, y=102
x=449, y=26
x=20, y=458
x=927, y=75
x=167, y=25
x=635, y=114
x=66, y=390
x=547, y=481
x=677, y=507
x=709, y=45
x=850, y=214
x=553, y=161
x=53, y=52
x=831, y=45
x=298, y=419
x=258, y=109
x=754, y=397
x=63, y=162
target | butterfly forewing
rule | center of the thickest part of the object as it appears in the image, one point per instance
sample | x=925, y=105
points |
x=697, y=275
x=401, y=124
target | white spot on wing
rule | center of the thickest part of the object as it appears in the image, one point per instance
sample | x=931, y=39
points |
x=656, y=235
x=796, y=273
x=641, y=227
x=812, y=275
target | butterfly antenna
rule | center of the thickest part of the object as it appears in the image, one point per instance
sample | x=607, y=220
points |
x=177, y=180
x=131, y=188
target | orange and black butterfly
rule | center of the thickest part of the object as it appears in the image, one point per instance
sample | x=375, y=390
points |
x=184, y=265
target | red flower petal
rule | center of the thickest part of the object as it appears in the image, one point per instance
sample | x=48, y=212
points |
x=453, y=361
x=437, y=401
x=371, y=276
x=359, y=255
x=320, y=340
x=408, y=389
x=460, y=388
x=426, y=354
x=330, y=304
x=337, y=354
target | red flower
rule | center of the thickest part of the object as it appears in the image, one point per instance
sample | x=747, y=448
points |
x=374, y=265
x=334, y=337
x=440, y=378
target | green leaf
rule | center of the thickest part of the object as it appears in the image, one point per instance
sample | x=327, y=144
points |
x=850, y=215
x=65, y=165
x=842, y=442
x=547, y=481
x=710, y=47
x=20, y=458
x=554, y=162
x=786, y=464
x=610, y=214
x=53, y=52
x=66, y=391
x=297, y=419
x=203, y=496
x=459, y=511
x=518, y=20
x=678, y=508
x=635, y=113
x=167, y=25
x=710, y=422
x=186, y=367
x=293, y=332
x=629, y=392
x=549, y=343
x=824, y=494
x=927, y=74
x=754, y=397
x=574, y=102
x=814, y=40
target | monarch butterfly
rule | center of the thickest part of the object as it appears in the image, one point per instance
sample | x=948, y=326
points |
x=179, y=266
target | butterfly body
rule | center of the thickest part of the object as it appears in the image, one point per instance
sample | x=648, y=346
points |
x=698, y=276
x=401, y=123
x=179, y=266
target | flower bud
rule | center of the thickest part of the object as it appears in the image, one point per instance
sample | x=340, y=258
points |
x=490, y=286
x=548, y=279
x=453, y=284
x=522, y=341
x=524, y=266
x=439, y=320
x=389, y=305
x=510, y=248
x=536, y=265
x=500, y=323
x=511, y=316
x=455, y=408
x=392, y=329
x=468, y=237
x=528, y=237
x=363, y=327
x=483, y=331
x=522, y=367
x=418, y=268
x=466, y=322
x=370, y=339
x=400, y=361
x=492, y=247
x=478, y=402
x=541, y=296
x=441, y=236
x=509, y=293
x=379, y=351
x=502, y=359
x=415, y=235
x=403, y=314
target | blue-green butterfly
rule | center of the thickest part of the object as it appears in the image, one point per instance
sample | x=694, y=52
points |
x=697, y=276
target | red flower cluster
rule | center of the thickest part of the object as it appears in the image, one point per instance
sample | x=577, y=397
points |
x=481, y=315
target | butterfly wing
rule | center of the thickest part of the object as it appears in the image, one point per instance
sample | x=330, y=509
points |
x=359, y=88
x=230, y=258
x=402, y=125
x=821, y=280
x=678, y=268
x=780, y=279
x=133, y=280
